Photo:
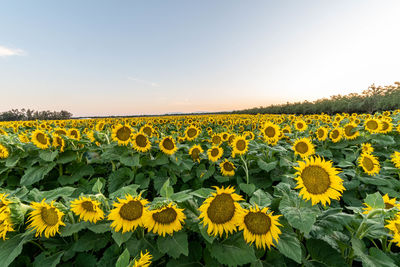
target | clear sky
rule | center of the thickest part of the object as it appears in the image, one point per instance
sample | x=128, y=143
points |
x=153, y=57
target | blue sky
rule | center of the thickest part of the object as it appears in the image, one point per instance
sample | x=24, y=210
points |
x=154, y=57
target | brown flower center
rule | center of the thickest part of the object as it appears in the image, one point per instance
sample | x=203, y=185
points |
x=191, y=132
x=315, y=179
x=131, y=211
x=214, y=152
x=221, y=209
x=141, y=140
x=269, y=131
x=166, y=216
x=241, y=145
x=41, y=138
x=123, y=133
x=301, y=147
x=49, y=216
x=87, y=205
x=168, y=144
x=257, y=223
x=228, y=166
x=368, y=164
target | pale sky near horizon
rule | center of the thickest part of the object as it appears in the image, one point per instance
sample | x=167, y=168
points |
x=154, y=57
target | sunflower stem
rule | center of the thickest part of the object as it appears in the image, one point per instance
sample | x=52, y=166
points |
x=246, y=170
x=38, y=245
x=60, y=170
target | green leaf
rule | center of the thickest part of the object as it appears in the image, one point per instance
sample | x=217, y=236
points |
x=99, y=228
x=98, y=185
x=36, y=173
x=181, y=196
x=322, y=252
x=90, y=241
x=202, y=192
x=299, y=213
x=247, y=188
x=50, y=261
x=375, y=201
x=129, y=189
x=72, y=228
x=261, y=198
x=123, y=260
x=377, y=257
x=121, y=238
x=166, y=190
x=48, y=155
x=382, y=139
x=266, y=166
x=119, y=178
x=67, y=157
x=59, y=192
x=232, y=251
x=174, y=245
x=131, y=161
x=289, y=245
x=142, y=180
x=79, y=171
x=11, y=248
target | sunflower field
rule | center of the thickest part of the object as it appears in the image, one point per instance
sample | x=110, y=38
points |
x=205, y=190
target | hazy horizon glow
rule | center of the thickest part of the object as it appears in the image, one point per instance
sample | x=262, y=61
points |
x=97, y=58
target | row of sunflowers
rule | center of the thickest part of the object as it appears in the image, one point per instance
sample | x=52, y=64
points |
x=225, y=190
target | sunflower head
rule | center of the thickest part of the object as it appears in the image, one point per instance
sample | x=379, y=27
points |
x=271, y=132
x=394, y=227
x=74, y=133
x=303, y=147
x=373, y=125
x=367, y=148
x=259, y=226
x=3, y=152
x=240, y=145
x=215, y=153
x=227, y=168
x=195, y=152
x=322, y=133
x=350, y=132
x=87, y=209
x=45, y=218
x=141, y=142
x=165, y=220
x=369, y=164
x=318, y=180
x=143, y=261
x=121, y=134
x=192, y=132
x=216, y=139
x=300, y=125
x=396, y=159
x=336, y=134
x=168, y=145
x=220, y=212
x=40, y=139
x=128, y=213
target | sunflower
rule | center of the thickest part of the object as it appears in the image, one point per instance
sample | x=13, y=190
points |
x=58, y=141
x=60, y=131
x=260, y=226
x=240, y=145
x=373, y=125
x=336, y=134
x=350, y=132
x=195, y=152
x=389, y=203
x=367, y=148
x=168, y=145
x=192, y=132
x=369, y=163
x=143, y=261
x=23, y=138
x=387, y=126
x=216, y=139
x=227, y=168
x=271, y=132
x=141, y=142
x=322, y=133
x=3, y=152
x=147, y=129
x=394, y=227
x=74, y=133
x=4, y=203
x=121, y=134
x=100, y=126
x=5, y=225
x=128, y=213
x=303, y=147
x=165, y=220
x=396, y=159
x=220, y=212
x=90, y=136
x=40, y=139
x=300, y=125
x=45, y=218
x=225, y=136
x=215, y=153
x=87, y=209
x=318, y=180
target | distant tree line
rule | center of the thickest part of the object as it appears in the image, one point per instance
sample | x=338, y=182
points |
x=29, y=114
x=375, y=98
